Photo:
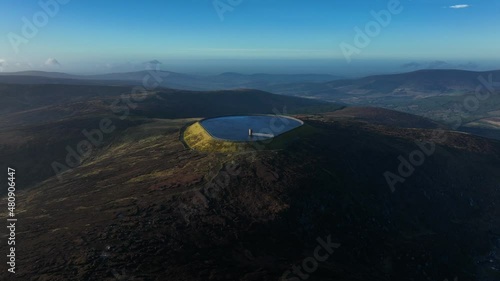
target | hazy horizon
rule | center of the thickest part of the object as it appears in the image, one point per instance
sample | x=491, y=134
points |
x=346, y=39
x=214, y=67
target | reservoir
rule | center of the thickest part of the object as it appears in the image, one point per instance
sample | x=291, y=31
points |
x=249, y=127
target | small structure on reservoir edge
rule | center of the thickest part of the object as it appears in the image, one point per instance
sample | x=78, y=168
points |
x=250, y=132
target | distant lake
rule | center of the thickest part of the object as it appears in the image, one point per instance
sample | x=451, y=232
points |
x=235, y=128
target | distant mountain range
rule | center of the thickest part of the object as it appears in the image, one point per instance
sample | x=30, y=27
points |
x=168, y=79
x=444, y=95
x=421, y=83
x=438, y=94
x=411, y=84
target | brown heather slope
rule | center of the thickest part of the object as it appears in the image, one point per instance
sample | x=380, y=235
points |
x=148, y=208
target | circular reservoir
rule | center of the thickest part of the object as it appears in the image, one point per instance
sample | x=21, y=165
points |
x=249, y=127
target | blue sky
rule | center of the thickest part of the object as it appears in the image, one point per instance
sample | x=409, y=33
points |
x=253, y=36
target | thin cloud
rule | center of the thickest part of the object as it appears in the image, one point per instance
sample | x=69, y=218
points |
x=153, y=64
x=52, y=62
x=460, y=6
x=3, y=63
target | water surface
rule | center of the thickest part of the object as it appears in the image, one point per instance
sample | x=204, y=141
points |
x=235, y=128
